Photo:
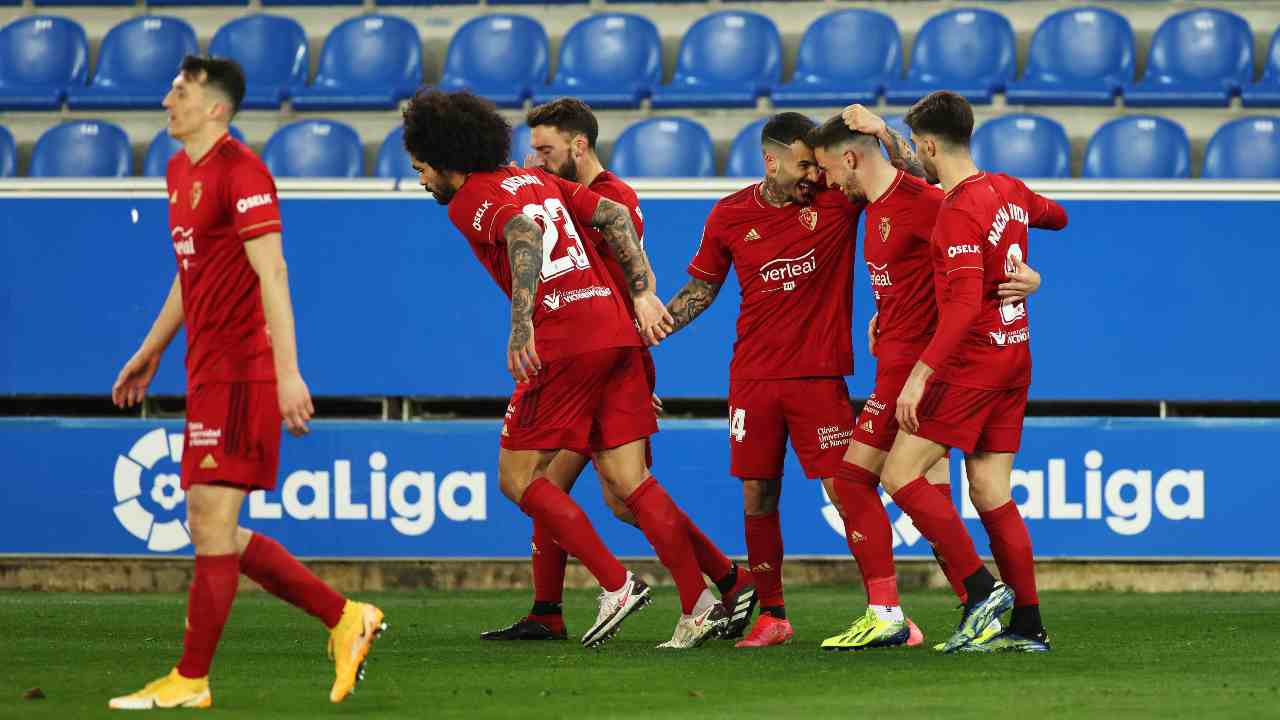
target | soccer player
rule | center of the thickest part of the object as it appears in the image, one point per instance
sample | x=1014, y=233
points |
x=564, y=134
x=900, y=216
x=968, y=389
x=232, y=292
x=583, y=384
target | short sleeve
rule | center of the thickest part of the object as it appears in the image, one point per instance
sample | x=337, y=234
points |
x=255, y=207
x=479, y=214
x=712, y=261
x=959, y=240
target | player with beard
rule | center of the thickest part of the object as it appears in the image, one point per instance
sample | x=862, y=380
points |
x=564, y=134
x=901, y=211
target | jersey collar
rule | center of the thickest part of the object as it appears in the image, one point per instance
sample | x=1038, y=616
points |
x=972, y=178
x=226, y=136
x=897, y=180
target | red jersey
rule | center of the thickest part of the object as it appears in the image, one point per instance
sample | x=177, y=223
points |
x=216, y=205
x=578, y=307
x=611, y=186
x=899, y=258
x=981, y=230
x=795, y=273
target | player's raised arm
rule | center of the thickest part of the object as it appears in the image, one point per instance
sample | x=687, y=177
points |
x=134, y=378
x=901, y=156
x=524, y=250
x=1044, y=213
x=266, y=255
x=614, y=222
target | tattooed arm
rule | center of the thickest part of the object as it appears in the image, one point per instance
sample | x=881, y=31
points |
x=696, y=296
x=901, y=156
x=614, y=223
x=524, y=251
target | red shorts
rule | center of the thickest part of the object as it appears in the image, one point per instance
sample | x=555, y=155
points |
x=593, y=401
x=815, y=412
x=233, y=435
x=972, y=419
x=651, y=372
x=877, y=424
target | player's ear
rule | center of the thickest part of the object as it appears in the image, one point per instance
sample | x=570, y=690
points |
x=850, y=159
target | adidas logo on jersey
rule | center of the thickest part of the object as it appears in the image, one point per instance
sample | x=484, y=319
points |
x=208, y=463
x=762, y=567
x=751, y=235
x=856, y=537
x=868, y=427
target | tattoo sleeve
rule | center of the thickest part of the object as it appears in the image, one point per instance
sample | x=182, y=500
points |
x=901, y=155
x=696, y=296
x=524, y=250
x=614, y=221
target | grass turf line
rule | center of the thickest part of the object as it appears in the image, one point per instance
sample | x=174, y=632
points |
x=1116, y=655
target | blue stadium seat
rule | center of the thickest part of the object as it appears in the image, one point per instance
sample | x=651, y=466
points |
x=845, y=56
x=970, y=51
x=368, y=62
x=664, y=147
x=1197, y=57
x=1138, y=146
x=163, y=147
x=273, y=52
x=1029, y=146
x=521, y=143
x=87, y=3
x=1266, y=92
x=137, y=62
x=82, y=148
x=312, y=2
x=314, y=148
x=393, y=160
x=1244, y=148
x=502, y=57
x=609, y=61
x=8, y=154
x=171, y=3
x=727, y=59
x=746, y=158
x=1081, y=56
x=40, y=57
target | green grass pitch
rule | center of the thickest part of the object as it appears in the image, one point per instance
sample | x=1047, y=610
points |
x=1116, y=655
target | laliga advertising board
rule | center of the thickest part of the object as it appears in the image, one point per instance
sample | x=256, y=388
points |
x=1104, y=488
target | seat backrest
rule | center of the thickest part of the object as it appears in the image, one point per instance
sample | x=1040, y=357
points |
x=615, y=48
x=8, y=154
x=1203, y=46
x=746, y=157
x=1271, y=72
x=664, y=147
x=163, y=146
x=1085, y=43
x=43, y=50
x=1138, y=146
x=1244, y=148
x=964, y=44
x=314, y=148
x=521, y=143
x=272, y=49
x=145, y=51
x=500, y=50
x=82, y=148
x=861, y=46
x=393, y=160
x=732, y=47
x=372, y=51
x=1023, y=145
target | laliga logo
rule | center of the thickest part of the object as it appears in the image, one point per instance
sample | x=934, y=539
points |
x=904, y=531
x=155, y=458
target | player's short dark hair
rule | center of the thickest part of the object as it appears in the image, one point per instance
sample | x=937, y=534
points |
x=568, y=115
x=943, y=114
x=456, y=131
x=786, y=128
x=223, y=74
x=832, y=133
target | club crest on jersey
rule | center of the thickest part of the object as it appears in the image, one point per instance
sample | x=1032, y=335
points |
x=884, y=229
x=197, y=191
x=809, y=218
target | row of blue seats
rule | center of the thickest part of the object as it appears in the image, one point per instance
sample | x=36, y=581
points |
x=1079, y=56
x=1023, y=144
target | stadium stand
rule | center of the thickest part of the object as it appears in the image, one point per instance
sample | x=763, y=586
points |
x=1030, y=146
x=82, y=148
x=521, y=143
x=1081, y=56
x=8, y=154
x=727, y=59
x=314, y=148
x=369, y=62
x=1138, y=147
x=969, y=51
x=393, y=160
x=745, y=159
x=503, y=57
x=831, y=71
x=272, y=49
x=1198, y=57
x=664, y=147
x=136, y=64
x=1266, y=92
x=163, y=147
x=40, y=57
x=1245, y=148
x=609, y=61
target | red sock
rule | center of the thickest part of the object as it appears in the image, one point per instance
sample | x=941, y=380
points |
x=868, y=532
x=213, y=589
x=667, y=529
x=764, y=555
x=957, y=582
x=569, y=526
x=939, y=522
x=267, y=563
x=713, y=563
x=548, y=565
x=1011, y=548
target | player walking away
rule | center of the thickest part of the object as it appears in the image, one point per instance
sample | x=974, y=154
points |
x=583, y=384
x=564, y=139
x=232, y=291
x=900, y=216
x=969, y=387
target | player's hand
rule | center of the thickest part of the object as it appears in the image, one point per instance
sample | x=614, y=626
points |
x=872, y=331
x=1023, y=281
x=654, y=320
x=134, y=379
x=657, y=404
x=522, y=358
x=908, y=402
x=859, y=119
x=295, y=403
x=532, y=160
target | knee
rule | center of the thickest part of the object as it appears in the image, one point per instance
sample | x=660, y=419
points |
x=759, y=497
x=987, y=498
x=512, y=485
x=207, y=527
x=619, y=508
